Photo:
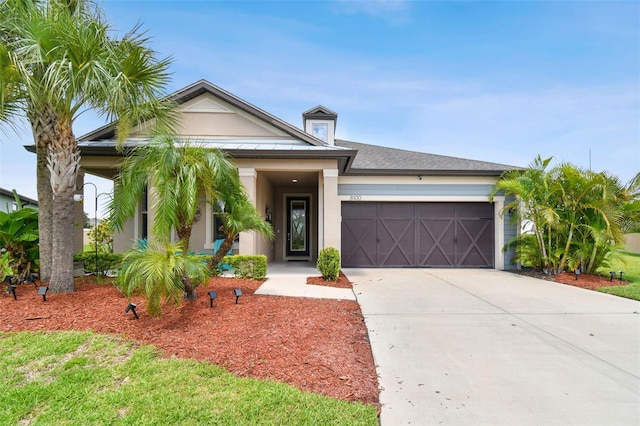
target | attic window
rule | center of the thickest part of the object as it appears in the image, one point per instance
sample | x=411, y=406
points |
x=320, y=131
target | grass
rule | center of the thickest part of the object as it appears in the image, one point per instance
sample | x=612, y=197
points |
x=630, y=264
x=84, y=378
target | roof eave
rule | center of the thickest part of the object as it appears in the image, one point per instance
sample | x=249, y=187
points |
x=405, y=172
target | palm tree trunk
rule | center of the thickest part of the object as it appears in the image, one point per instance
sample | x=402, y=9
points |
x=64, y=159
x=45, y=214
x=43, y=126
x=184, y=235
x=189, y=289
x=222, y=252
x=563, y=261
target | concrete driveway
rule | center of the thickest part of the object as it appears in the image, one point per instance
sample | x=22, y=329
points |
x=485, y=347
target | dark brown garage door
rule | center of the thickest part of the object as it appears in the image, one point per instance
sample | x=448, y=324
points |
x=417, y=235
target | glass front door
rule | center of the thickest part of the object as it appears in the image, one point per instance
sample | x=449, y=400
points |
x=298, y=226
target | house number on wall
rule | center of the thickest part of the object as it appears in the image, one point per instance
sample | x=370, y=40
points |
x=356, y=198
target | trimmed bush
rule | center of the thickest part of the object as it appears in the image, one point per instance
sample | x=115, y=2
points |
x=329, y=263
x=254, y=266
x=106, y=261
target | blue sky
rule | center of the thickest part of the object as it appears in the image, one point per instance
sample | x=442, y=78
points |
x=493, y=81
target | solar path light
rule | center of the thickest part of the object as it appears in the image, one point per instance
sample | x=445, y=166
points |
x=212, y=295
x=42, y=291
x=238, y=293
x=132, y=307
x=11, y=289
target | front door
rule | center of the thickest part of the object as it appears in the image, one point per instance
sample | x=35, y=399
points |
x=297, y=226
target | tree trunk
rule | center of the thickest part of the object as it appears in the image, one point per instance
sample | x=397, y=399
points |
x=222, y=252
x=64, y=159
x=563, y=260
x=43, y=127
x=184, y=235
x=189, y=289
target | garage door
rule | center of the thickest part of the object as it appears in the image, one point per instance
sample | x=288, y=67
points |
x=417, y=235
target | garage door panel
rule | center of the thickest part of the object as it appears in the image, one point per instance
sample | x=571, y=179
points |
x=396, y=242
x=359, y=242
x=436, y=242
x=475, y=242
x=434, y=210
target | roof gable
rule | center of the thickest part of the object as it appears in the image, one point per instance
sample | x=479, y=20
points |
x=227, y=103
x=319, y=113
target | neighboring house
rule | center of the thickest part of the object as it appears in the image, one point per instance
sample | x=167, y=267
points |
x=8, y=201
x=379, y=206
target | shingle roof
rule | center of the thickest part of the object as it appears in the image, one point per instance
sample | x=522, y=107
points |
x=374, y=159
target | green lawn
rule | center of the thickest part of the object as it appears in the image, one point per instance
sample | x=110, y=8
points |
x=69, y=378
x=630, y=264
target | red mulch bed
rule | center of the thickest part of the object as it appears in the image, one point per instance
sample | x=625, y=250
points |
x=317, y=345
x=341, y=282
x=588, y=281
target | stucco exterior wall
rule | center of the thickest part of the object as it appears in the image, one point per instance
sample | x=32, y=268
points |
x=265, y=197
x=123, y=240
x=632, y=241
x=208, y=116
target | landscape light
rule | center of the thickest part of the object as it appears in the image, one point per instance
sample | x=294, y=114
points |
x=238, y=293
x=577, y=272
x=12, y=289
x=621, y=272
x=42, y=291
x=612, y=275
x=30, y=279
x=212, y=295
x=132, y=307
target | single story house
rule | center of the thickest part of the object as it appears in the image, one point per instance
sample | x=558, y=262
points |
x=8, y=201
x=380, y=206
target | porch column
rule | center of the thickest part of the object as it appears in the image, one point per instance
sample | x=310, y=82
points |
x=498, y=204
x=248, y=240
x=331, y=209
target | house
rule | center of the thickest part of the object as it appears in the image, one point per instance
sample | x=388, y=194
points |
x=380, y=206
x=8, y=201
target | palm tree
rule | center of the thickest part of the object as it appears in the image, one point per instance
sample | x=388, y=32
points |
x=576, y=215
x=532, y=191
x=179, y=173
x=62, y=61
x=586, y=197
x=160, y=272
x=238, y=215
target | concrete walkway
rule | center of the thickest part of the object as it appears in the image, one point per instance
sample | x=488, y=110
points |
x=290, y=279
x=484, y=347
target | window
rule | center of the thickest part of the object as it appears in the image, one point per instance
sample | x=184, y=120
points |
x=218, y=228
x=320, y=131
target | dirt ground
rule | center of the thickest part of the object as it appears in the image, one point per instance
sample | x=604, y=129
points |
x=317, y=345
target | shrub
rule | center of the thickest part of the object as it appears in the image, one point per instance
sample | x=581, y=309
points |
x=329, y=263
x=254, y=266
x=161, y=273
x=106, y=261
